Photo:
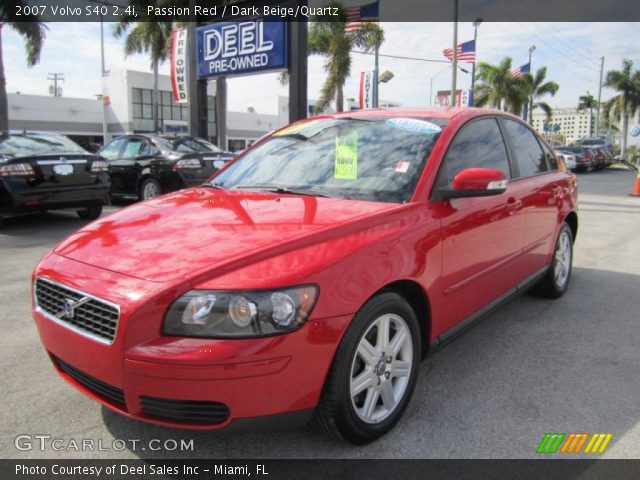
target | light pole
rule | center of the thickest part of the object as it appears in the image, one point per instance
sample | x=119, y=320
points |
x=529, y=113
x=434, y=76
x=599, y=98
x=476, y=24
x=454, y=89
x=105, y=128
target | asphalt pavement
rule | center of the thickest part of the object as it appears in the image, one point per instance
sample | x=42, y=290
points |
x=535, y=366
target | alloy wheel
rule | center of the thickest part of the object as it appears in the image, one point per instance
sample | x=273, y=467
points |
x=381, y=368
x=562, y=259
x=150, y=190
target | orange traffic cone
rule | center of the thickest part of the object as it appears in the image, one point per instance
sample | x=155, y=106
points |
x=636, y=188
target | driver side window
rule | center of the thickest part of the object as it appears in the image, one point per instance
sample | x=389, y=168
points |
x=478, y=144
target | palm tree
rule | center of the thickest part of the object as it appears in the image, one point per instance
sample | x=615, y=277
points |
x=538, y=88
x=627, y=102
x=588, y=102
x=146, y=37
x=33, y=32
x=327, y=37
x=498, y=88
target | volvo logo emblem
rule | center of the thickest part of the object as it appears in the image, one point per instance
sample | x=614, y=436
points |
x=70, y=305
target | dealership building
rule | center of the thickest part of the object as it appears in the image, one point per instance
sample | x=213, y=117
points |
x=130, y=110
x=571, y=123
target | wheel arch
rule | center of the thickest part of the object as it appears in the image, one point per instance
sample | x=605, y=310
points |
x=572, y=221
x=417, y=298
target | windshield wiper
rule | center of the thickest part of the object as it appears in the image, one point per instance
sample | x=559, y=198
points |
x=217, y=186
x=283, y=190
x=295, y=136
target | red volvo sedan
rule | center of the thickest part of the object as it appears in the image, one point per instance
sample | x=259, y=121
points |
x=312, y=274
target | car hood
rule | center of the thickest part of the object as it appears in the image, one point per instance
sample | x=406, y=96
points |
x=190, y=232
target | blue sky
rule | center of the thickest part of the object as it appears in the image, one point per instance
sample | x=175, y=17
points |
x=570, y=51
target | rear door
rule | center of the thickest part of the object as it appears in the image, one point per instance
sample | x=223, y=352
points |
x=539, y=185
x=125, y=170
x=481, y=235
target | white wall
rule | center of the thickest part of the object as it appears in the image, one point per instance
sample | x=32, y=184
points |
x=71, y=116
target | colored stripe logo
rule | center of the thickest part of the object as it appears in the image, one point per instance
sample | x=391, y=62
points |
x=574, y=442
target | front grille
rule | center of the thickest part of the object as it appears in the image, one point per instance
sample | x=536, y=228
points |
x=92, y=316
x=185, y=411
x=102, y=389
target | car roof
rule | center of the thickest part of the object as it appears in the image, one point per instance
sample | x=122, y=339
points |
x=445, y=113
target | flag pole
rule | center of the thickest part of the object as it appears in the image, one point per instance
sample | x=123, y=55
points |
x=454, y=74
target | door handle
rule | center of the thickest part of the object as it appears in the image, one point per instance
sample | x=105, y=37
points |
x=513, y=205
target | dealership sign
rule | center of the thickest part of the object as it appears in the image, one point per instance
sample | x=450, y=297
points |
x=179, y=65
x=240, y=48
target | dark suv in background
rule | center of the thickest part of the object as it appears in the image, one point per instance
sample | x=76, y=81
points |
x=147, y=165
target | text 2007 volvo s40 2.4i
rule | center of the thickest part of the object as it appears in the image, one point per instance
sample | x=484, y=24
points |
x=312, y=274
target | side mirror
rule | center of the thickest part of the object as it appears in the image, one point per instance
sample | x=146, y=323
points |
x=476, y=182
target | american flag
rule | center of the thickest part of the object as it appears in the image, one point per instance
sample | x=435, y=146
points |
x=466, y=52
x=517, y=71
x=357, y=16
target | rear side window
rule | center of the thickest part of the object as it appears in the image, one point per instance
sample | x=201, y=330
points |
x=112, y=150
x=479, y=144
x=552, y=161
x=529, y=155
x=136, y=147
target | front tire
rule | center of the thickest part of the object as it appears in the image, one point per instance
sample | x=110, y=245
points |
x=556, y=281
x=374, y=371
x=90, y=212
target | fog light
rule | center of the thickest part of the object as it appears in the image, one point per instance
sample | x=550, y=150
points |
x=198, y=309
x=242, y=311
x=284, y=309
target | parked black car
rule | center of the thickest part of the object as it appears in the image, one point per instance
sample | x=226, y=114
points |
x=147, y=165
x=45, y=171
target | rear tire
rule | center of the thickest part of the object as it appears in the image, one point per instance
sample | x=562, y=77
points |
x=91, y=212
x=373, y=373
x=556, y=281
x=149, y=189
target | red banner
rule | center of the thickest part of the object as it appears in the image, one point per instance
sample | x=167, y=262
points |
x=179, y=83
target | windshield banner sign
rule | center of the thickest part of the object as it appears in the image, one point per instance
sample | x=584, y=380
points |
x=241, y=48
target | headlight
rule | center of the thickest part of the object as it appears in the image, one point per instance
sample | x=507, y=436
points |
x=218, y=314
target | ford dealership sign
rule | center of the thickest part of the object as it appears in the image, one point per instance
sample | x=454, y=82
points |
x=239, y=48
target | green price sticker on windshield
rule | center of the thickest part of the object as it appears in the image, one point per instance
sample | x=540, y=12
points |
x=346, y=164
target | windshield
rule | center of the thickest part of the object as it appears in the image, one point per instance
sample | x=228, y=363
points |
x=27, y=144
x=188, y=145
x=368, y=159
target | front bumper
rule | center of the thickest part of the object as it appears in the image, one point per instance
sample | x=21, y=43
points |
x=184, y=377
